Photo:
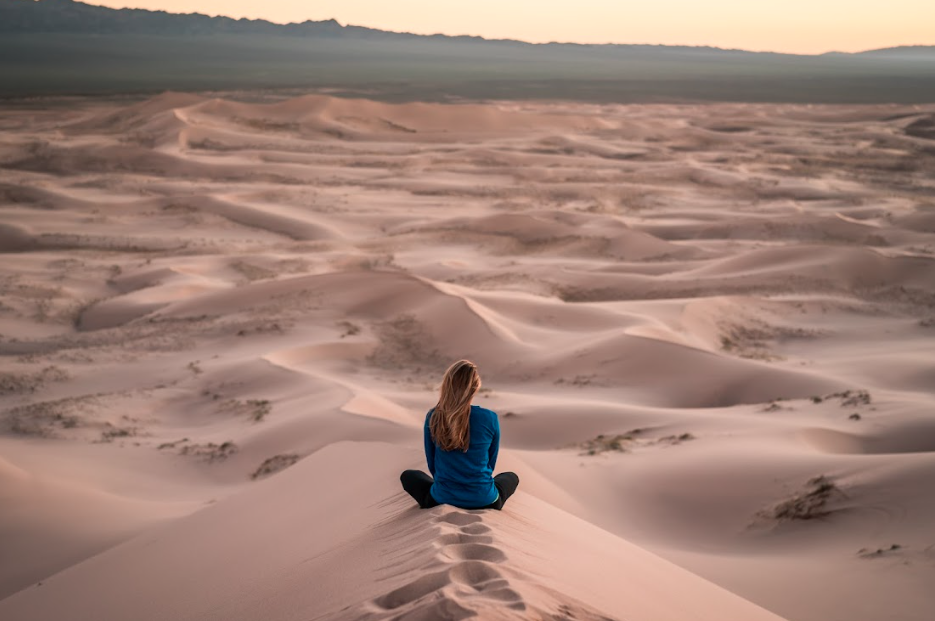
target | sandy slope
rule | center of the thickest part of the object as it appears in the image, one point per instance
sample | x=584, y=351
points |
x=708, y=331
x=280, y=550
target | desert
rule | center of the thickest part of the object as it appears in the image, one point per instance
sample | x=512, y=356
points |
x=708, y=330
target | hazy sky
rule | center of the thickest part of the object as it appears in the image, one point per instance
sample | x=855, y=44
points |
x=799, y=26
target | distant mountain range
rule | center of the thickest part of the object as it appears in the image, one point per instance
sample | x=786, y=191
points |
x=70, y=16
x=63, y=46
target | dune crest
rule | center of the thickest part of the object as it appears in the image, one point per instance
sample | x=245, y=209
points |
x=439, y=563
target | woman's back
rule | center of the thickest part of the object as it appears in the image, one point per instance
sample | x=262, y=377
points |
x=462, y=441
x=465, y=478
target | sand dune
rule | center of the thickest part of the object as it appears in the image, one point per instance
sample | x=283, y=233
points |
x=95, y=521
x=443, y=563
x=707, y=331
x=361, y=118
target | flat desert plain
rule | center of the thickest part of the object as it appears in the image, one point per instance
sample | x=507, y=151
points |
x=708, y=330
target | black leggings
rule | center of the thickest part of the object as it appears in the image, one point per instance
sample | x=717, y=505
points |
x=419, y=485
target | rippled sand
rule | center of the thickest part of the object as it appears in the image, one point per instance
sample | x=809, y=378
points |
x=709, y=331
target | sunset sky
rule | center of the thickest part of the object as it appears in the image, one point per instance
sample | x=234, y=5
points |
x=797, y=26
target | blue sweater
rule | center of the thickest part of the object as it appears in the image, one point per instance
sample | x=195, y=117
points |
x=465, y=478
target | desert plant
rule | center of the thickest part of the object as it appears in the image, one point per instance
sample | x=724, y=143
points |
x=809, y=504
x=273, y=465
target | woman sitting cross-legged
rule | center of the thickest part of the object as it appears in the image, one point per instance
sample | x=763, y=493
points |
x=461, y=446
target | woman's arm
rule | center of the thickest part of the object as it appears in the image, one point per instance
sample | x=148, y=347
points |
x=429, y=445
x=494, y=444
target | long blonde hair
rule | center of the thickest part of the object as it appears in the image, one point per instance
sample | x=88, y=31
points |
x=450, y=422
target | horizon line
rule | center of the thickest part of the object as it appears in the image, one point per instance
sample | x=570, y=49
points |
x=493, y=40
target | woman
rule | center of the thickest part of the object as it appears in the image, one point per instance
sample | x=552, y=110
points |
x=461, y=446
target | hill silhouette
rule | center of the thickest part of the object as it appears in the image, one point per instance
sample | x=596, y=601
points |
x=55, y=47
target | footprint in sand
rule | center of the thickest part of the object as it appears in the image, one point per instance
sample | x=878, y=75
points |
x=473, y=552
x=459, y=519
x=470, y=523
x=473, y=559
x=470, y=582
x=462, y=537
x=475, y=529
x=417, y=589
x=487, y=581
x=473, y=573
x=447, y=609
x=470, y=543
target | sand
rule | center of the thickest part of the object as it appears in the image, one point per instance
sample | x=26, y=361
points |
x=708, y=330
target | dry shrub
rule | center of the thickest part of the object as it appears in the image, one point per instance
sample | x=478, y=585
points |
x=405, y=345
x=604, y=443
x=273, y=465
x=20, y=383
x=210, y=451
x=810, y=504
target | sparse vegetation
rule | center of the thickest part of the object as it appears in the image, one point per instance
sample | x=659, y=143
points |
x=603, y=443
x=676, y=439
x=274, y=464
x=257, y=409
x=867, y=553
x=853, y=398
x=405, y=345
x=210, y=451
x=174, y=444
x=578, y=381
x=215, y=396
x=385, y=261
x=849, y=398
x=43, y=427
x=751, y=339
x=348, y=328
x=111, y=432
x=260, y=408
x=208, y=144
x=45, y=418
x=260, y=329
x=19, y=383
x=810, y=504
x=252, y=272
